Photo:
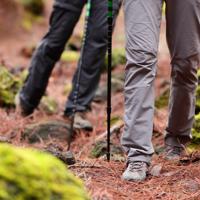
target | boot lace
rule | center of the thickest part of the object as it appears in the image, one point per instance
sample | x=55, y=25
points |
x=136, y=166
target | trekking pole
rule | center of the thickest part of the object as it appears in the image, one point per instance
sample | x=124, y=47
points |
x=77, y=84
x=109, y=108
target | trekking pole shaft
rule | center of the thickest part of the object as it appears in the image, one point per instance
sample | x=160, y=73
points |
x=77, y=84
x=109, y=108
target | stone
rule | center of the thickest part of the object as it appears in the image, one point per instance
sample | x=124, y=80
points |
x=9, y=87
x=100, y=150
x=156, y=170
x=45, y=130
x=101, y=93
x=118, y=58
x=48, y=105
x=32, y=174
x=66, y=156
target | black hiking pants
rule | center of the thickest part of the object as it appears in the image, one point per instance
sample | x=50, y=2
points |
x=64, y=17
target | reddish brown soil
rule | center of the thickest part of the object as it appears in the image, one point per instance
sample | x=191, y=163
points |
x=102, y=179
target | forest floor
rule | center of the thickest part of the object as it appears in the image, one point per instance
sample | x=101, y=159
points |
x=174, y=181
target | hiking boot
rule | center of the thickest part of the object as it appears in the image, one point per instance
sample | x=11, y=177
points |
x=136, y=171
x=80, y=121
x=173, y=152
x=21, y=107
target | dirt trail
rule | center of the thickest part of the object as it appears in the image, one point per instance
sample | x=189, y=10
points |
x=103, y=180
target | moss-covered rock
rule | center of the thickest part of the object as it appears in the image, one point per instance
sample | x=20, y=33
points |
x=9, y=86
x=67, y=157
x=29, y=174
x=34, y=6
x=162, y=100
x=45, y=130
x=101, y=93
x=48, y=105
x=70, y=56
x=100, y=149
x=196, y=129
x=118, y=58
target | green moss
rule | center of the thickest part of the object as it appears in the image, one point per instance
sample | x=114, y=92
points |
x=162, y=100
x=48, y=105
x=192, y=147
x=29, y=174
x=70, y=56
x=118, y=58
x=9, y=86
x=197, y=109
x=67, y=89
x=196, y=129
x=100, y=149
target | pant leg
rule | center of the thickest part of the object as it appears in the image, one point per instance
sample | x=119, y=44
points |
x=62, y=23
x=183, y=35
x=93, y=56
x=142, y=25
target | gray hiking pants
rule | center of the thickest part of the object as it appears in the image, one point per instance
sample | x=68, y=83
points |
x=142, y=24
x=64, y=17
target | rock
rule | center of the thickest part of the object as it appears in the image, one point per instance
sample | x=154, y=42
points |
x=30, y=174
x=67, y=157
x=9, y=87
x=70, y=56
x=156, y=170
x=5, y=139
x=191, y=186
x=100, y=149
x=159, y=149
x=101, y=93
x=119, y=76
x=118, y=58
x=168, y=174
x=45, y=130
x=48, y=105
x=80, y=122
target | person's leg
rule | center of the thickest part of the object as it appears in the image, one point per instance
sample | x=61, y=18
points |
x=183, y=35
x=62, y=22
x=93, y=56
x=142, y=25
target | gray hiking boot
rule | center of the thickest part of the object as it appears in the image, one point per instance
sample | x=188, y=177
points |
x=80, y=121
x=173, y=152
x=136, y=171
